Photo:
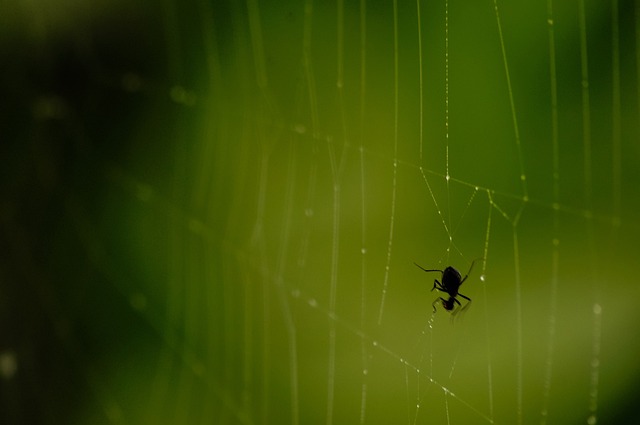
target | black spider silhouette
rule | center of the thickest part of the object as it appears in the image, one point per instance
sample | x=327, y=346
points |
x=451, y=281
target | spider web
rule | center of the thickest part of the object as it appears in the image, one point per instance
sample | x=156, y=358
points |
x=254, y=234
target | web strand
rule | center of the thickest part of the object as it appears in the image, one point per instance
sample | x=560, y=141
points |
x=446, y=106
x=335, y=172
x=333, y=285
x=363, y=211
x=421, y=86
x=592, y=419
x=519, y=335
x=483, y=279
x=616, y=130
x=281, y=289
x=586, y=108
x=637, y=56
x=523, y=178
x=548, y=370
x=395, y=161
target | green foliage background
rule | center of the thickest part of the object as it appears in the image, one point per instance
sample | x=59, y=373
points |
x=210, y=211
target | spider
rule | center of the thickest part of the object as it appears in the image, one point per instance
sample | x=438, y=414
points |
x=451, y=281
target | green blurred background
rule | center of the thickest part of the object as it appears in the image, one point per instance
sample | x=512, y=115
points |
x=211, y=209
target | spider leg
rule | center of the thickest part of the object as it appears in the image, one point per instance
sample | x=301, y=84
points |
x=425, y=270
x=437, y=285
x=466, y=306
x=436, y=300
x=469, y=272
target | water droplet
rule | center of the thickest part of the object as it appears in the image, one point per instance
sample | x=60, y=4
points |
x=199, y=369
x=138, y=301
x=50, y=107
x=144, y=192
x=196, y=226
x=114, y=413
x=8, y=364
x=131, y=82
x=183, y=96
